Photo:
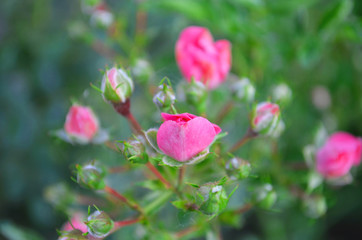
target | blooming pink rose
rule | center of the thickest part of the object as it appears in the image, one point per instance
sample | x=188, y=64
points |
x=265, y=118
x=81, y=124
x=77, y=222
x=182, y=136
x=340, y=152
x=198, y=56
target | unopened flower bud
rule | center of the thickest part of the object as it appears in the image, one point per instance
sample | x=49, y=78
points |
x=238, y=168
x=164, y=98
x=81, y=125
x=59, y=195
x=281, y=93
x=117, y=86
x=142, y=70
x=135, y=151
x=314, y=206
x=214, y=199
x=99, y=224
x=196, y=95
x=243, y=90
x=101, y=17
x=265, y=118
x=91, y=176
x=265, y=196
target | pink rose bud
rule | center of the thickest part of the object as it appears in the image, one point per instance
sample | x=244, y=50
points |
x=265, y=118
x=81, y=124
x=117, y=86
x=199, y=57
x=183, y=136
x=74, y=228
x=340, y=152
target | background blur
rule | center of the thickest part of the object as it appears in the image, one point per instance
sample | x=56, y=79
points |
x=49, y=54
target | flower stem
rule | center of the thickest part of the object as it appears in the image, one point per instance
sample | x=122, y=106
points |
x=181, y=175
x=134, y=123
x=154, y=170
x=123, y=199
x=244, y=208
x=225, y=110
x=186, y=231
x=248, y=135
x=126, y=222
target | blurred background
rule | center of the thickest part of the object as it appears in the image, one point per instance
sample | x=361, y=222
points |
x=51, y=50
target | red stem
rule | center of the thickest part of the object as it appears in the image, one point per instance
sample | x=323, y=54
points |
x=248, y=135
x=224, y=112
x=158, y=175
x=122, y=198
x=123, y=223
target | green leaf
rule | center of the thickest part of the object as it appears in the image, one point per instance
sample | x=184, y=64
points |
x=13, y=232
x=337, y=13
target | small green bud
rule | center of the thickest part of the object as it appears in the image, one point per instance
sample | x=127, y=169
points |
x=164, y=98
x=242, y=90
x=281, y=93
x=59, y=195
x=142, y=70
x=91, y=176
x=135, y=151
x=99, y=224
x=117, y=86
x=196, y=95
x=265, y=196
x=214, y=199
x=314, y=206
x=238, y=168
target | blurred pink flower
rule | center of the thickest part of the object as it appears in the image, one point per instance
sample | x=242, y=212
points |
x=340, y=152
x=81, y=123
x=183, y=136
x=199, y=57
